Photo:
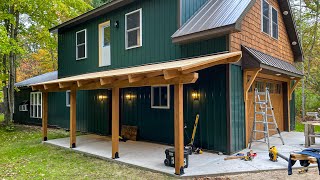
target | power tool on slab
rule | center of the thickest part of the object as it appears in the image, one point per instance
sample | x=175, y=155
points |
x=249, y=156
x=190, y=147
x=274, y=154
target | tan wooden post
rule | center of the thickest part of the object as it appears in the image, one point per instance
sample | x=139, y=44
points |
x=115, y=123
x=178, y=129
x=44, y=116
x=73, y=113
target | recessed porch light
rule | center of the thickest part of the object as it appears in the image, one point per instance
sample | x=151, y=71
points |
x=285, y=13
x=294, y=43
x=278, y=74
x=292, y=77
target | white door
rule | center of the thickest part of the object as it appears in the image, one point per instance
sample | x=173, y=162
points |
x=105, y=45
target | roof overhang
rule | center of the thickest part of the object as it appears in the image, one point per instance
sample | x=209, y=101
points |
x=115, y=4
x=291, y=30
x=254, y=59
x=173, y=72
x=205, y=35
x=221, y=22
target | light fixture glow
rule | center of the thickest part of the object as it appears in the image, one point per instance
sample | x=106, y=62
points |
x=285, y=13
x=292, y=77
x=278, y=74
x=130, y=96
x=102, y=97
x=294, y=43
x=195, y=95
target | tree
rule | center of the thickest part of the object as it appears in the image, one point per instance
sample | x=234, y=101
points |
x=308, y=16
x=97, y=3
x=24, y=28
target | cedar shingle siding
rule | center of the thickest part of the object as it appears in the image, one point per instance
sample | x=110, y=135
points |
x=252, y=36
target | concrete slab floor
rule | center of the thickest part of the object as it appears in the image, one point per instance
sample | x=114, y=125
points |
x=151, y=155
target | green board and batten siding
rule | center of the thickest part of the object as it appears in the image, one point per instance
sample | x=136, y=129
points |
x=157, y=124
x=93, y=116
x=189, y=8
x=23, y=116
x=237, y=115
x=159, y=22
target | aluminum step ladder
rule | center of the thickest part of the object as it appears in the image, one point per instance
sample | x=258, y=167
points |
x=263, y=110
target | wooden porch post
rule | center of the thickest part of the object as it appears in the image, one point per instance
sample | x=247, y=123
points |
x=115, y=123
x=44, y=116
x=73, y=112
x=178, y=129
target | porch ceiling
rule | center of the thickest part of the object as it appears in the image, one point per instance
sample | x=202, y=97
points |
x=173, y=72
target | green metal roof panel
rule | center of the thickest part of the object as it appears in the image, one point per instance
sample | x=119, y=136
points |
x=268, y=60
x=216, y=14
x=38, y=79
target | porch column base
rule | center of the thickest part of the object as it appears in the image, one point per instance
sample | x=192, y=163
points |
x=181, y=171
x=116, y=156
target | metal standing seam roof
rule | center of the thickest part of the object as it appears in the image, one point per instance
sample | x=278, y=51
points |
x=272, y=61
x=38, y=79
x=216, y=14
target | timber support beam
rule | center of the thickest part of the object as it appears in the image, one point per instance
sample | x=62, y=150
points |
x=73, y=113
x=115, y=123
x=178, y=129
x=45, y=116
x=247, y=83
x=291, y=89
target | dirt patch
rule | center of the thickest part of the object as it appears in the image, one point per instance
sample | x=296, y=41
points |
x=312, y=174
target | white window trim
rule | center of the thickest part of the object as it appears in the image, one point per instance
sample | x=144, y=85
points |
x=68, y=92
x=35, y=100
x=126, y=31
x=263, y=16
x=85, y=44
x=271, y=11
x=23, y=107
x=101, y=28
x=168, y=98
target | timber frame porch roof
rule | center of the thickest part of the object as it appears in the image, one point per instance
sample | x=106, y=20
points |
x=172, y=72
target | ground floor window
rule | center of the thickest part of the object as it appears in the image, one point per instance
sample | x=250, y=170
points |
x=160, y=97
x=23, y=107
x=36, y=105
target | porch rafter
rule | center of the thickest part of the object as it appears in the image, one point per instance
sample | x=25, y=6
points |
x=172, y=72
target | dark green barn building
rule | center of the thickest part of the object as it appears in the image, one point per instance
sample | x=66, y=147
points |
x=152, y=52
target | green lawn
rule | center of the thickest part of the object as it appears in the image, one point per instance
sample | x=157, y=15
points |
x=1, y=117
x=22, y=156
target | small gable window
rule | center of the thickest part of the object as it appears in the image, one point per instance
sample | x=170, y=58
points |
x=133, y=30
x=275, y=27
x=160, y=97
x=81, y=43
x=265, y=17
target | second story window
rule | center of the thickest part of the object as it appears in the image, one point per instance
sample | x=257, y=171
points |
x=265, y=17
x=133, y=30
x=81, y=43
x=274, y=25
